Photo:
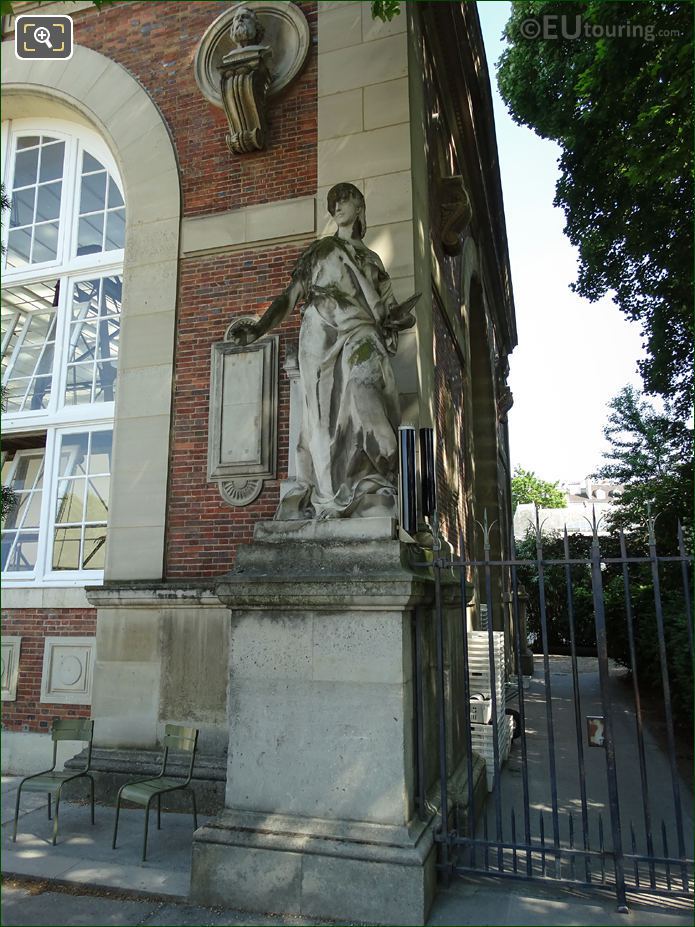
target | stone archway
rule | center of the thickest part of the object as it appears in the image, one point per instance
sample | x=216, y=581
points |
x=93, y=90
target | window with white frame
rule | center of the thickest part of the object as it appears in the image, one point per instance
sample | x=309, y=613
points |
x=61, y=304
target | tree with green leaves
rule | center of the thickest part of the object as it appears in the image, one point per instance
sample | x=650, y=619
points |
x=650, y=453
x=618, y=101
x=527, y=487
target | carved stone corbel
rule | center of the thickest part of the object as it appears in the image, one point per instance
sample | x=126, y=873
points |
x=244, y=84
x=456, y=213
x=235, y=71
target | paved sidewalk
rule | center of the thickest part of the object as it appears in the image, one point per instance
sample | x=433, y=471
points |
x=82, y=881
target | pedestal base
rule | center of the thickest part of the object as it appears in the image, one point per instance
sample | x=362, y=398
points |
x=338, y=870
x=320, y=816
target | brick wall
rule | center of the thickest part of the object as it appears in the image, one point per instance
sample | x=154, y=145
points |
x=450, y=437
x=203, y=532
x=27, y=712
x=156, y=43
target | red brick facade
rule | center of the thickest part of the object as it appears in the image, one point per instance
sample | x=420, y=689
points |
x=156, y=43
x=28, y=712
x=203, y=532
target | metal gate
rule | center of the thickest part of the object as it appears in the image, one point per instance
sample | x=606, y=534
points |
x=590, y=792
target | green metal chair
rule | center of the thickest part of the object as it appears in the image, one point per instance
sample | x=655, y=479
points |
x=144, y=791
x=52, y=780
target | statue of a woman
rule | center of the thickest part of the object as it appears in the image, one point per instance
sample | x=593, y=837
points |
x=347, y=454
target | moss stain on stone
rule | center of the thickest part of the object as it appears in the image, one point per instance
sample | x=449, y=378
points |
x=362, y=353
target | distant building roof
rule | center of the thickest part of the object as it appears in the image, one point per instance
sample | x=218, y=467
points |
x=583, y=499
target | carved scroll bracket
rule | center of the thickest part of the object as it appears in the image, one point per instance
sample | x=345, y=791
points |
x=247, y=55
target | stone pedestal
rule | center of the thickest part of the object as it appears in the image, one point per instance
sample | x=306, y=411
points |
x=320, y=816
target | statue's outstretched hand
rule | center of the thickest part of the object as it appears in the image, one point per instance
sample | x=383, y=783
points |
x=244, y=333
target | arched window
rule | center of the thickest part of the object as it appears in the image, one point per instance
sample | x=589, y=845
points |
x=61, y=301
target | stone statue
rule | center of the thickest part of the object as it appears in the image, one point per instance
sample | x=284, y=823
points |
x=347, y=454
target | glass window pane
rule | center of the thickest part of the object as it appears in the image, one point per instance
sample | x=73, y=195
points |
x=90, y=164
x=16, y=513
x=48, y=204
x=93, y=195
x=23, y=556
x=109, y=331
x=100, y=458
x=97, y=499
x=94, y=547
x=25, y=360
x=39, y=394
x=45, y=243
x=26, y=167
x=22, y=207
x=28, y=141
x=73, y=455
x=29, y=472
x=70, y=505
x=66, y=549
x=85, y=299
x=14, y=395
x=115, y=230
x=18, y=247
x=32, y=510
x=41, y=328
x=115, y=198
x=78, y=387
x=83, y=340
x=90, y=234
x=7, y=541
x=105, y=389
x=52, y=161
x=113, y=287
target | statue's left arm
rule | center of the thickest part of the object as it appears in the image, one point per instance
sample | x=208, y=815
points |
x=276, y=313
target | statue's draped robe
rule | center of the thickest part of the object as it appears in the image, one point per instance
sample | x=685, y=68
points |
x=347, y=453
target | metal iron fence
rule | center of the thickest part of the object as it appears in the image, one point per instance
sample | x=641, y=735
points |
x=557, y=809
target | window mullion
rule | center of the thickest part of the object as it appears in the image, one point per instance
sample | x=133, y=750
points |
x=48, y=504
x=61, y=349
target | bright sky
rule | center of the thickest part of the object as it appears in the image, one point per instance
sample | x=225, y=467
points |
x=573, y=356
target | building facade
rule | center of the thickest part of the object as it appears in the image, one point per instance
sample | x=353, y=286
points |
x=135, y=237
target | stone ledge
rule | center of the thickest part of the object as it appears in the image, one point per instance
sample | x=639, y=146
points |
x=146, y=593
x=408, y=845
x=285, y=220
x=334, y=529
x=112, y=768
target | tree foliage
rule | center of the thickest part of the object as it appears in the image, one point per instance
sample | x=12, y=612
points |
x=619, y=106
x=385, y=10
x=650, y=453
x=643, y=610
x=527, y=487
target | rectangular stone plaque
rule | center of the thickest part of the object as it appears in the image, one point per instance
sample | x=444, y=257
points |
x=242, y=440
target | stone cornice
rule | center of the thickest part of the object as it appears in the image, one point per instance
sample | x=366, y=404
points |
x=452, y=32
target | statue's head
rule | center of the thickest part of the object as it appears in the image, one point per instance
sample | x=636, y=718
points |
x=348, y=192
x=246, y=28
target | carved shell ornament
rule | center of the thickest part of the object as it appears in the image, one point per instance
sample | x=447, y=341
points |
x=240, y=492
x=246, y=56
